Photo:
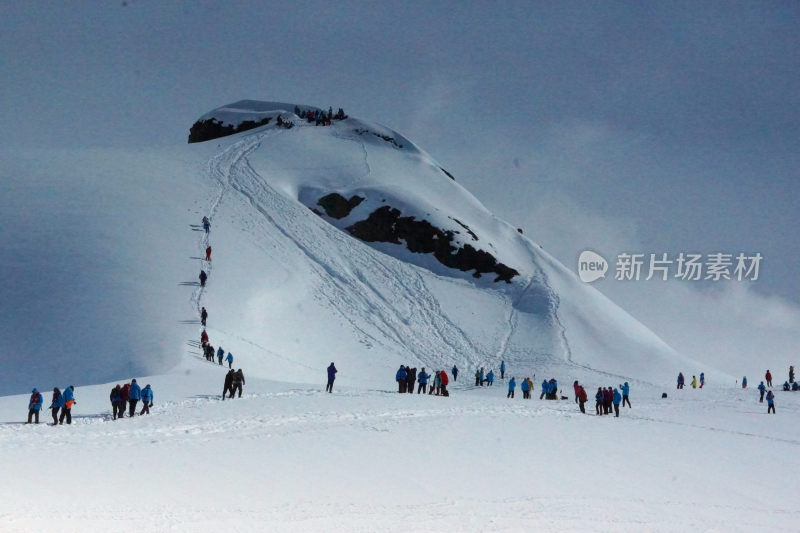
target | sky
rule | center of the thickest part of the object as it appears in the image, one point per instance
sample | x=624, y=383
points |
x=644, y=127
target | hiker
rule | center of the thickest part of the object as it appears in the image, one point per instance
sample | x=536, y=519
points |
x=437, y=383
x=490, y=378
x=203, y=317
x=34, y=405
x=582, y=398
x=598, y=399
x=791, y=374
x=795, y=386
x=147, y=400
x=238, y=381
x=69, y=400
x=203, y=338
x=56, y=404
x=134, y=395
x=115, y=397
x=702, y=379
x=680, y=380
x=220, y=355
x=444, y=381
x=544, y=388
x=694, y=382
x=455, y=373
x=525, y=388
x=229, y=359
x=411, y=378
x=531, y=387
x=616, y=399
x=206, y=224
x=331, y=376
x=608, y=399
x=761, y=389
x=477, y=377
x=744, y=382
x=209, y=352
x=208, y=253
x=768, y=377
x=203, y=278
x=626, y=390
x=575, y=387
x=502, y=370
x=226, y=388
x=770, y=403
x=552, y=389
x=786, y=386
x=400, y=377
x=422, y=379
x=511, y=386
x=124, y=396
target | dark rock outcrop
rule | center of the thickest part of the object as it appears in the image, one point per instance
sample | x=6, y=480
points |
x=205, y=130
x=386, y=225
x=337, y=206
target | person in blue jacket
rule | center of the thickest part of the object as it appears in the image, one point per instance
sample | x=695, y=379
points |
x=762, y=390
x=68, y=398
x=490, y=378
x=147, y=400
x=512, y=384
x=455, y=373
x=134, y=395
x=422, y=379
x=331, y=376
x=626, y=390
x=400, y=378
x=34, y=405
x=680, y=380
x=545, y=388
x=526, y=389
x=229, y=359
x=220, y=355
x=56, y=404
x=116, y=407
x=744, y=382
x=616, y=399
x=502, y=370
x=770, y=403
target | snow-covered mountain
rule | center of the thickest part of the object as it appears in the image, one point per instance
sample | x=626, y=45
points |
x=342, y=242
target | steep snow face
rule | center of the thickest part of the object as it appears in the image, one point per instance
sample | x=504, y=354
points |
x=103, y=249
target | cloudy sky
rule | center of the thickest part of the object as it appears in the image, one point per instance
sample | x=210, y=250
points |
x=645, y=127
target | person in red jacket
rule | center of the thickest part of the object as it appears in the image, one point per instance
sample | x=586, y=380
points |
x=208, y=254
x=445, y=381
x=204, y=338
x=582, y=398
x=768, y=377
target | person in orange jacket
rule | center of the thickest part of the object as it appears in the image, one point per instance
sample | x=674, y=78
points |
x=445, y=381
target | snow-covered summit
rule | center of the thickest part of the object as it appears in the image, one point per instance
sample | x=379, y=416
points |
x=343, y=242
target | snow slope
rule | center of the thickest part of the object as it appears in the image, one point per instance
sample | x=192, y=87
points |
x=101, y=254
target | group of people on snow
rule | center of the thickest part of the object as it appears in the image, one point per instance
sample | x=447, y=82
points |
x=234, y=381
x=319, y=117
x=60, y=406
x=129, y=395
x=407, y=376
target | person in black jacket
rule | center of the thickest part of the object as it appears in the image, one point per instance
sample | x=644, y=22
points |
x=228, y=387
x=238, y=381
x=115, y=397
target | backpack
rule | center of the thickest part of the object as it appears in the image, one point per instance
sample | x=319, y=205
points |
x=36, y=398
